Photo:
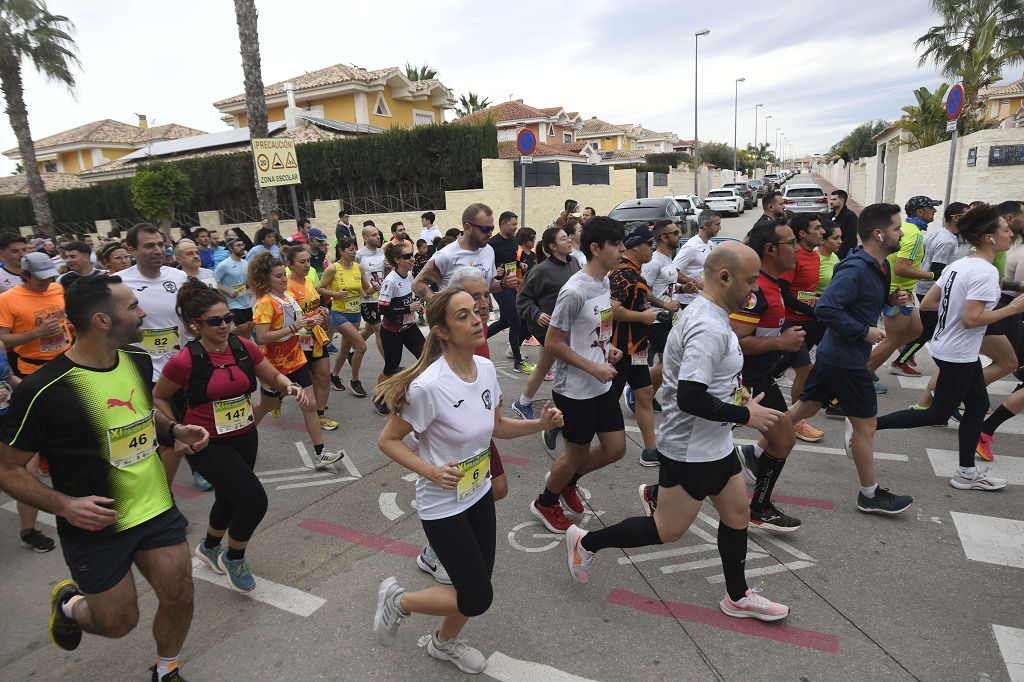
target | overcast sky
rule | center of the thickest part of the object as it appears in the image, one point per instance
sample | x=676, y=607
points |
x=819, y=68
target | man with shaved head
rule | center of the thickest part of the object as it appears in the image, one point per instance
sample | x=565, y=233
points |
x=703, y=399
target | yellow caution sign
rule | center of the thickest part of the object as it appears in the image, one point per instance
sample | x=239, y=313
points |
x=275, y=162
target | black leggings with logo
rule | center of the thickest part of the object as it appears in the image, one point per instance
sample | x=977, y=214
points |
x=239, y=499
x=392, y=342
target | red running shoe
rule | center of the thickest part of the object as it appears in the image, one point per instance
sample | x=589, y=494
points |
x=552, y=517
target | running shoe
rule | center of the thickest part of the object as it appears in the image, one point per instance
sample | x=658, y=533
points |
x=549, y=438
x=984, y=448
x=457, y=652
x=356, y=386
x=784, y=382
x=979, y=480
x=753, y=605
x=848, y=438
x=649, y=457
x=834, y=411
x=912, y=361
x=239, y=577
x=201, y=482
x=381, y=408
x=874, y=377
x=569, y=496
x=880, y=389
x=807, y=433
x=773, y=518
x=918, y=407
x=389, y=614
x=336, y=383
x=524, y=410
x=958, y=413
x=655, y=404
x=36, y=541
x=524, y=367
x=902, y=369
x=209, y=556
x=169, y=676
x=579, y=558
x=630, y=401
x=549, y=377
x=428, y=562
x=552, y=517
x=326, y=458
x=328, y=424
x=749, y=461
x=534, y=342
x=649, y=498
x=884, y=502
x=508, y=352
x=64, y=631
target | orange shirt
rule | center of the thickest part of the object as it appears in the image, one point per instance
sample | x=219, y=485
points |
x=306, y=296
x=22, y=310
x=286, y=356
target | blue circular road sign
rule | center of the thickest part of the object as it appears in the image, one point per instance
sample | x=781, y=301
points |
x=526, y=141
x=954, y=102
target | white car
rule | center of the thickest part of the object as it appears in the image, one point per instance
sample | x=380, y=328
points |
x=725, y=200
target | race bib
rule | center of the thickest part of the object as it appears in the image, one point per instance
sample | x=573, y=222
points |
x=606, y=324
x=351, y=304
x=160, y=341
x=132, y=442
x=640, y=357
x=306, y=341
x=510, y=268
x=738, y=397
x=239, y=289
x=476, y=470
x=56, y=342
x=806, y=297
x=232, y=414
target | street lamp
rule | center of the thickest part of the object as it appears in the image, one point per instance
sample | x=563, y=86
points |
x=775, y=150
x=696, y=141
x=735, y=113
x=756, y=107
x=765, y=138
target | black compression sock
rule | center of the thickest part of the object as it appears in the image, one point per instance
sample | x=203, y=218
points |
x=210, y=542
x=638, y=531
x=768, y=470
x=995, y=420
x=732, y=546
x=234, y=554
x=318, y=449
x=548, y=498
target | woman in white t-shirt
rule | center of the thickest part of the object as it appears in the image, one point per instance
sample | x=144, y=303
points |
x=965, y=297
x=451, y=399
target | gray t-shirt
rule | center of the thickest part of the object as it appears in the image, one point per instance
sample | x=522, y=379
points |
x=701, y=347
x=942, y=247
x=583, y=310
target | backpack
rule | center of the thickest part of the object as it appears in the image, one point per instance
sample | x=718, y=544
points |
x=202, y=369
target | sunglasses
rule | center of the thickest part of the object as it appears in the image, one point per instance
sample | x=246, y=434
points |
x=404, y=256
x=215, y=321
x=483, y=228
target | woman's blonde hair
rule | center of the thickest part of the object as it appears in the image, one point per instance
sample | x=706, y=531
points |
x=394, y=391
x=260, y=267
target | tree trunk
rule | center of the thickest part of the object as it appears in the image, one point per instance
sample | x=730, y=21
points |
x=255, y=102
x=17, y=113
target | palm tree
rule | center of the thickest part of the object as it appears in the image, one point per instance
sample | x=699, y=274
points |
x=419, y=73
x=974, y=43
x=471, y=102
x=255, y=102
x=29, y=31
x=925, y=121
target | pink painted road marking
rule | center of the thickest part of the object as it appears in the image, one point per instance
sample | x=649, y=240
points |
x=715, y=618
x=799, y=501
x=358, y=537
x=512, y=459
x=185, y=491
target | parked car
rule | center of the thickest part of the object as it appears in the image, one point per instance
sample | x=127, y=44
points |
x=693, y=205
x=725, y=200
x=757, y=186
x=749, y=199
x=651, y=210
x=774, y=179
x=805, y=198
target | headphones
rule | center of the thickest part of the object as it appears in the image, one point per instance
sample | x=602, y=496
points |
x=878, y=237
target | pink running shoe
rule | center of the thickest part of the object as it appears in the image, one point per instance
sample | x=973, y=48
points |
x=984, y=448
x=753, y=605
x=579, y=558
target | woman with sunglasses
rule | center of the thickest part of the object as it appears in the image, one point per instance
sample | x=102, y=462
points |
x=398, y=311
x=278, y=319
x=114, y=257
x=345, y=284
x=217, y=372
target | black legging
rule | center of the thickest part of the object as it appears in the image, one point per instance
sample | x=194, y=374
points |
x=464, y=544
x=240, y=501
x=392, y=342
x=958, y=382
x=929, y=318
x=506, y=299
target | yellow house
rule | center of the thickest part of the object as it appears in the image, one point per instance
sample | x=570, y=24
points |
x=384, y=98
x=608, y=137
x=96, y=143
x=1001, y=101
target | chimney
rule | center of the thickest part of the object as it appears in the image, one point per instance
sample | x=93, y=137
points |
x=143, y=123
x=292, y=112
x=289, y=89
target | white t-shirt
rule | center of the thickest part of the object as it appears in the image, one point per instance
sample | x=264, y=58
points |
x=207, y=277
x=396, y=290
x=660, y=275
x=583, y=310
x=690, y=262
x=579, y=256
x=163, y=331
x=371, y=263
x=452, y=257
x=968, y=279
x=430, y=234
x=454, y=421
x=703, y=348
x=8, y=280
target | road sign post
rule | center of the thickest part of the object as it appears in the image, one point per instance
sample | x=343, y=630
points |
x=954, y=105
x=526, y=141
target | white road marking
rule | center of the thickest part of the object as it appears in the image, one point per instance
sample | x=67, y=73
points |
x=766, y=535
x=281, y=596
x=276, y=472
x=43, y=517
x=389, y=506
x=327, y=481
x=298, y=477
x=666, y=553
x=830, y=451
x=921, y=383
x=303, y=454
x=765, y=570
x=410, y=477
x=945, y=461
x=508, y=669
x=991, y=539
x=347, y=462
x=1011, y=646
x=703, y=563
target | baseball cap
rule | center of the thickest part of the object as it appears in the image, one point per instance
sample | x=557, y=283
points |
x=316, y=233
x=38, y=265
x=641, y=234
x=920, y=201
x=231, y=240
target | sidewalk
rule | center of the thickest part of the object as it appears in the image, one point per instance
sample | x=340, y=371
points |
x=829, y=188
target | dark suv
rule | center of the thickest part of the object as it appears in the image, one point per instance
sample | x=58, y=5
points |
x=651, y=210
x=749, y=198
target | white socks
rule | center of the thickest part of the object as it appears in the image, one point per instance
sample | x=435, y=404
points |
x=758, y=450
x=869, y=492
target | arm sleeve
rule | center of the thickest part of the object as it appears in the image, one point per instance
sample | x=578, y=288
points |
x=693, y=398
x=791, y=301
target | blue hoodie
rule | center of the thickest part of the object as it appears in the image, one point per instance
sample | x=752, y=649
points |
x=850, y=304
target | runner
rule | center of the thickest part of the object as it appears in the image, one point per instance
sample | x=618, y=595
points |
x=371, y=264
x=302, y=287
x=579, y=336
x=278, y=319
x=110, y=493
x=32, y=316
x=232, y=275
x=219, y=400
x=828, y=256
x=78, y=257
x=430, y=231
x=344, y=283
x=845, y=220
x=661, y=277
x=850, y=307
x=505, y=256
x=689, y=261
x=265, y=242
x=526, y=259
x=574, y=229
x=115, y=258
x=317, y=250
x=455, y=417
x=965, y=295
x=398, y=315
x=469, y=249
x=12, y=247
x=703, y=361
x=187, y=253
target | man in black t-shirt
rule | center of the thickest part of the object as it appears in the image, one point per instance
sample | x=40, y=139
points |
x=773, y=207
x=847, y=220
x=503, y=242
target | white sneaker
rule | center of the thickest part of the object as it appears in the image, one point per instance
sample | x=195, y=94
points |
x=428, y=562
x=848, y=438
x=508, y=352
x=980, y=480
x=461, y=655
x=753, y=605
x=327, y=458
x=579, y=558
